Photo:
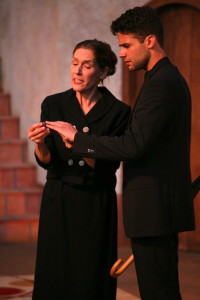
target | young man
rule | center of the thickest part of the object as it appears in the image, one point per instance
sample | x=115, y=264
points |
x=157, y=197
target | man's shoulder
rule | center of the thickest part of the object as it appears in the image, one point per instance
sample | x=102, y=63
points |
x=168, y=73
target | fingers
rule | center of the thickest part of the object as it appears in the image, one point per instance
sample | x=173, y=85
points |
x=37, y=132
x=34, y=126
x=64, y=129
x=59, y=124
x=68, y=144
x=55, y=123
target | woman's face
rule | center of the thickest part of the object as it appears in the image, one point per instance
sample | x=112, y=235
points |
x=85, y=72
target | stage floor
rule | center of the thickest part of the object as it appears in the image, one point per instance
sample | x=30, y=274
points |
x=19, y=287
x=19, y=259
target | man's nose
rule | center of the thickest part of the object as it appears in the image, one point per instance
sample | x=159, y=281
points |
x=122, y=53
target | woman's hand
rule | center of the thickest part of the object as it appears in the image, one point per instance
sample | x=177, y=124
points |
x=37, y=132
x=66, y=130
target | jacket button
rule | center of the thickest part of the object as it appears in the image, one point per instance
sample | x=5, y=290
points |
x=81, y=163
x=70, y=162
x=86, y=129
x=90, y=150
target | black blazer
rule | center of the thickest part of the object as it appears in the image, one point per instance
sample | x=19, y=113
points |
x=156, y=153
x=109, y=116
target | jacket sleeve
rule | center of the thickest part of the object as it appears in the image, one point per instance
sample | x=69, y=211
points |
x=152, y=113
x=45, y=115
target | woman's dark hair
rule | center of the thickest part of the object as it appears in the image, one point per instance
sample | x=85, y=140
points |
x=141, y=21
x=103, y=53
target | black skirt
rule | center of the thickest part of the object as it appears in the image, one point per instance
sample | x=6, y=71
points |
x=77, y=243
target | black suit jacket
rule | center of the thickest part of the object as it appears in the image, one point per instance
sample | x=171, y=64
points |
x=108, y=117
x=156, y=153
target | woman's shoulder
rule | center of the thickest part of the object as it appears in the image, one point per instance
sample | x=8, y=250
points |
x=59, y=96
x=110, y=98
x=122, y=105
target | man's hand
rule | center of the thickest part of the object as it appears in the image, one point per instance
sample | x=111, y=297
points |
x=65, y=130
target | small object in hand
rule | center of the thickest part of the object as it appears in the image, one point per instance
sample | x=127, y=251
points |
x=44, y=124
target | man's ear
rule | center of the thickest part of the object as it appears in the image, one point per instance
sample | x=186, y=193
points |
x=150, y=41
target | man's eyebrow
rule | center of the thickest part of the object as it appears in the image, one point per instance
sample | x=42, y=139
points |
x=124, y=44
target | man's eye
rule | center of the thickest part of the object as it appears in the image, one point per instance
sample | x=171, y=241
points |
x=88, y=67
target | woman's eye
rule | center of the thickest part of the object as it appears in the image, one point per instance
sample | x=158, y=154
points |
x=88, y=67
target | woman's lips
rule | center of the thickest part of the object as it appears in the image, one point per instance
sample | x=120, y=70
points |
x=77, y=81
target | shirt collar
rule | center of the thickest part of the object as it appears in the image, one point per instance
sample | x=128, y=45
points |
x=163, y=61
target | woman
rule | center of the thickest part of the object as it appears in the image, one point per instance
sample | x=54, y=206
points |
x=77, y=241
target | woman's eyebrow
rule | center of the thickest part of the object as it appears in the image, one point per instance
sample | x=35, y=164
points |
x=85, y=61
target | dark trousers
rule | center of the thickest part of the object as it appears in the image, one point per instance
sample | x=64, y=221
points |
x=156, y=263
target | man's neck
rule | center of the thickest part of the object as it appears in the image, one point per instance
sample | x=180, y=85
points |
x=155, y=57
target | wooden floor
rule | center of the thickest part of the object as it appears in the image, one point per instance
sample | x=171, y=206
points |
x=19, y=259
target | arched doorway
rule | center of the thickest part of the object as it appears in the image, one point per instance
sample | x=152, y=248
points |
x=181, y=21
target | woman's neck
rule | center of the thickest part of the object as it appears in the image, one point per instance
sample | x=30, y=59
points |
x=88, y=100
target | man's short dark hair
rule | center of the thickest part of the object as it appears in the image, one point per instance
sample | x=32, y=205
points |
x=141, y=21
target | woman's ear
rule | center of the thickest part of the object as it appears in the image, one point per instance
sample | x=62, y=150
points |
x=104, y=73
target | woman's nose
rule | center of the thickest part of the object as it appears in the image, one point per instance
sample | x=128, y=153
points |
x=78, y=69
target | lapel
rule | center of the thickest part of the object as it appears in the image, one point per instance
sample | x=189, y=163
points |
x=70, y=108
x=102, y=107
x=70, y=104
x=162, y=62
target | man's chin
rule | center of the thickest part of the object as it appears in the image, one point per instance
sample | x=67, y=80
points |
x=131, y=68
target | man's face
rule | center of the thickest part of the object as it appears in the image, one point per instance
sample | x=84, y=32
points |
x=134, y=52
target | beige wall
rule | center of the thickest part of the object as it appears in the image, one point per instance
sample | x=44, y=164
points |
x=36, y=41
